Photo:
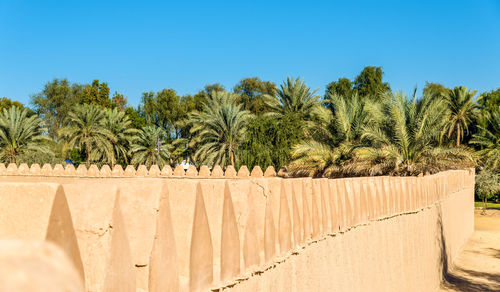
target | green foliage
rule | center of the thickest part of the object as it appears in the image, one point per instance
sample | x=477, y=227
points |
x=97, y=93
x=358, y=128
x=120, y=126
x=435, y=90
x=163, y=110
x=489, y=100
x=327, y=151
x=487, y=104
x=55, y=101
x=488, y=185
x=218, y=130
x=488, y=140
x=76, y=156
x=119, y=101
x=150, y=147
x=403, y=140
x=342, y=87
x=294, y=97
x=270, y=141
x=20, y=135
x=251, y=92
x=86, y=130
x=460, y=105
x=369, y=83
x=137, y=121
x=7, y=103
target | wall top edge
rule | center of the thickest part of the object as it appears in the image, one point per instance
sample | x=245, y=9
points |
x=204, y=172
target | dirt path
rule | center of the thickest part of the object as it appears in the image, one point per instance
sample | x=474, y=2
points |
x=477, y=268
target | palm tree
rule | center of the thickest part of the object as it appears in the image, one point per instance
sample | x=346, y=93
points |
x=86, y=130
x=327, y=150
x=294, y=97
x=150, y=147
x=219, y=129
x=20, y=134
x=405, y=141
x=117, y=123
x=460, y=104
x=489, y=141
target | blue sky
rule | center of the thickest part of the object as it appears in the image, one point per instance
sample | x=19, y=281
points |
x=139, y=46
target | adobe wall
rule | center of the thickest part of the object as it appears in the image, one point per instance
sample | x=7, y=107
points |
x=170, y=230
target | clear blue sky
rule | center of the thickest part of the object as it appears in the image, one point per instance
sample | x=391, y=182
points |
x=139, y=46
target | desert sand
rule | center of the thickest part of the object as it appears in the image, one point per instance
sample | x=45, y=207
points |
x=477, y=268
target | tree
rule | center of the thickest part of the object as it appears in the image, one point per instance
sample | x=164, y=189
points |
x=403, y=140
x=369, y=83
x=460, y=105
x=435, y=90
x=251, y=93
x=489, y=100
x=150, y=147
x=294, y=97
x=138, y=122
x=219, y=129
x=86, y=130
x=211, y=89
x=20, y=134
x=55, y=101
x=325, y=153
x=163, y=110
x=342, y=87
x=118, y=124
x=487, y=186
x=488, y=139
x=119, y=101
x=487, y=103
x=7, y=103
x=269, y=141
x=97, y=93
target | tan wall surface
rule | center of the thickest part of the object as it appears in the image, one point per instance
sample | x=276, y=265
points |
x=166, y=230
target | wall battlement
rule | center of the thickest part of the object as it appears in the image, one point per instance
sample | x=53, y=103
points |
x=130, y=171
x=241, y=231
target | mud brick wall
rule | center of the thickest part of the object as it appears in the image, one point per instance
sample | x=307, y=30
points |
x=174, y=230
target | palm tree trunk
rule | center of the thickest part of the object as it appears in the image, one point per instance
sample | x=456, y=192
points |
x=458, y=138
x=231, y=157
x=87, y=150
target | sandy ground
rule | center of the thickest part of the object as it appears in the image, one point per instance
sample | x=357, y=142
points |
x=477, y=268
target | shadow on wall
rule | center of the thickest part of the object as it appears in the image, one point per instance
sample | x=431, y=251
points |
x=452, y=279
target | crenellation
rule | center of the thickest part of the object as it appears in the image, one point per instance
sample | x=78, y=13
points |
x=270, y=172
x=129, y=171
x=217, y=172
x=142, y=171
x=179, y=171
x=154, y=171
x=68, y=171
x=11, y=169
x=151, y=231
x=230, y=172
x=105, y=171
x=166, y=171
x=191, y=171
x=257, y=172
x=58, y=170
x=46, y=169
x=23, y=169
x=93, y=171
x=204, y=171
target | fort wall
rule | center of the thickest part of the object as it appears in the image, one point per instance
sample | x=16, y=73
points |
x=176, y=230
